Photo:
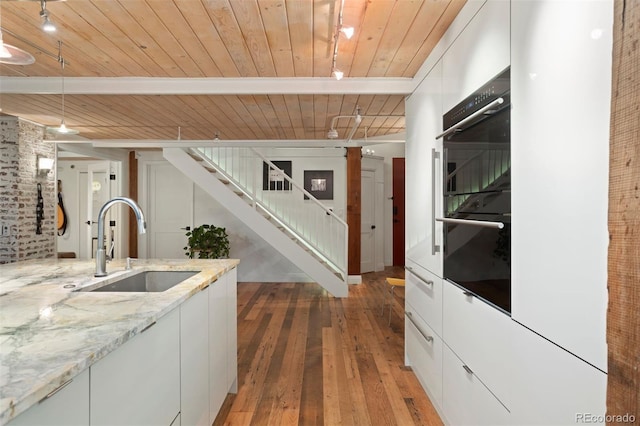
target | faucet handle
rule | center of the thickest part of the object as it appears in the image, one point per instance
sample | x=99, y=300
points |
x=128, y=263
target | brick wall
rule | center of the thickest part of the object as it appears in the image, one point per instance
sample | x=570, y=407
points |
x=21, y=144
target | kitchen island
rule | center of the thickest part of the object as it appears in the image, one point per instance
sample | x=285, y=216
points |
x=51, y=332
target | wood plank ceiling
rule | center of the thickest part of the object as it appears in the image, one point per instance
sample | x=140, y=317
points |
x=219, y=39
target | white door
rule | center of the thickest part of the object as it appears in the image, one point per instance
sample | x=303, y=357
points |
x=170, y=211
x=367, y=222
x=98, y=193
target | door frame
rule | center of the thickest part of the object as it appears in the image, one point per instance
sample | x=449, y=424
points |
x=83, y=153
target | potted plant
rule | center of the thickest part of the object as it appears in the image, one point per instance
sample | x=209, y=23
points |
x=209, y=241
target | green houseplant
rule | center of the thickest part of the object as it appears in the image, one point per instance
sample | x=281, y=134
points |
x=209, y=241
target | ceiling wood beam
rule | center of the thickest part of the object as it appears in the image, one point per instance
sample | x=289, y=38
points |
x=206, y=86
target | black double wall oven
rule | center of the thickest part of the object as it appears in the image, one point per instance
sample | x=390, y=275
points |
x=477, y=193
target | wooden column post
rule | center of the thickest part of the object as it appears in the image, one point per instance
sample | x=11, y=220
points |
x=354, y=205
x=623, y=318
x=133, y=194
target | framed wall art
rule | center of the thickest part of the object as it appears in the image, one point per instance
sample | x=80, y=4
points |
x=319, y=183
x=272, y=180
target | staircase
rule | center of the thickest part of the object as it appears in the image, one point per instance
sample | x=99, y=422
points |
x=284, y=214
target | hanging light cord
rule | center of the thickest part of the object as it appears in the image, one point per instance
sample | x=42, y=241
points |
x=61, y=60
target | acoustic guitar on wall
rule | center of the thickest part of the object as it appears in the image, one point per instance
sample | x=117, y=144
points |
x=62, y=214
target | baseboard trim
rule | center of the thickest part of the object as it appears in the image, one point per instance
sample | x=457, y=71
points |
x=354, y=279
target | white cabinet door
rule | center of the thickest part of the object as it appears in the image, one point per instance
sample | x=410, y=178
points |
x=478, y=54
x=217, y=345
x=232, y=330
x=480, y=335
x=423, y=295
x=467, y=401
x=561, y=95
x=553, y=386
x=194, y=360
x=67, y=407
x=423, y=352
x=423, y=170
x=139, y=383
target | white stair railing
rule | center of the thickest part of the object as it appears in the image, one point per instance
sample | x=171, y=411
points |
x=294, y=209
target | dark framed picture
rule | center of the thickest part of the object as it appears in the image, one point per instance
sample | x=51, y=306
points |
x=319, y=183
x=272, y=180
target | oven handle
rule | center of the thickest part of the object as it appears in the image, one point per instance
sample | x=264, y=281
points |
x=483, y=223
x=434, y=156
x=473, y=116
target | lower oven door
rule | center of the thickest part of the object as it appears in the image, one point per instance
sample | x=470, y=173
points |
x=477, y=256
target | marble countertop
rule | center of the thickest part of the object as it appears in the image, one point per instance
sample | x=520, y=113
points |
x=50, y=332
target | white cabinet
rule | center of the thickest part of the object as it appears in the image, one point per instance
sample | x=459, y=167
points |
x=481, y=336
x=467, y=401
x=561, y=94
x=194, y=360
x=478, y=54
x=232, y=330
x=553, y=386
x=139, y=383
x=68, y=406
x=423, y=352
x=423, y=181
x=222, y=341
x=423, y=295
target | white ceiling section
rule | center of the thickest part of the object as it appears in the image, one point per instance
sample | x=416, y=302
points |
x=246, y=70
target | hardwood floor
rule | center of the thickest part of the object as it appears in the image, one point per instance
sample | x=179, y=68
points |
x=306, y=358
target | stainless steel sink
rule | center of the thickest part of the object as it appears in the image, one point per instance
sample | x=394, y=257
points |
x=145, y=281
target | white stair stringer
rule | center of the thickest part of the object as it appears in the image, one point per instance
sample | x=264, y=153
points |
x=256, y=221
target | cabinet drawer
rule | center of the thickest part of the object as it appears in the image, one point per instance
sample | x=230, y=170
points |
x=467, y=401
x=423, y=293
x=482, y=336
x=423, y=349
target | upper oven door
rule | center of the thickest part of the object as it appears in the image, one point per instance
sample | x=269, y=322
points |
x=478, y=159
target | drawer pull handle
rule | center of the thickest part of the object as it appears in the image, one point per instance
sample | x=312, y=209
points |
x=467, y=369
x=56, y=390
x=426, y=336
x=148, y=327
x=467, y=293
x=424, y=280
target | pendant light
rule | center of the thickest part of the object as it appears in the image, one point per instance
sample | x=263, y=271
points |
x=62, y=129
x=12, y=55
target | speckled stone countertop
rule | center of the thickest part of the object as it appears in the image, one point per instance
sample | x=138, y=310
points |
x=50, y=332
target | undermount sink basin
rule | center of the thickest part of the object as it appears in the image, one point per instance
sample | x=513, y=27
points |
x=146, y=281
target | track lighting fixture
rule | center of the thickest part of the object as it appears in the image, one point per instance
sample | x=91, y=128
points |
x=47, y=25
x=348, y=33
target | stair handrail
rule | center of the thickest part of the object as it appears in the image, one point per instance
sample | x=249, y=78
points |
x=304, y=191
x=339, y=267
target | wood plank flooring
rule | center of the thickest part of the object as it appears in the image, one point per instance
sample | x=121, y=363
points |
x=306, y=358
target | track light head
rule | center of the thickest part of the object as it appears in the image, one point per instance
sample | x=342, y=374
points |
x=338, y=74
x=47, y=25
x=347, y=31
x=332, y=134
